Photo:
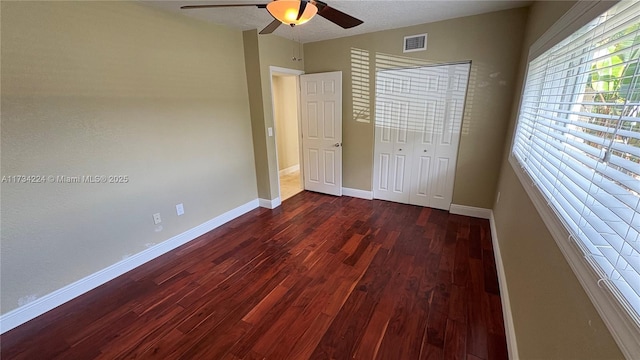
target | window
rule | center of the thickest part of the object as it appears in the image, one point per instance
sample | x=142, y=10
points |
x=578, y=139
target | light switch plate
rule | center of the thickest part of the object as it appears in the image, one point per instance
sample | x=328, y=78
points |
x=180, y=209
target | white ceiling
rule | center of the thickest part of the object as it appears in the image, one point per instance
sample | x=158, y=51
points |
x=377, y=15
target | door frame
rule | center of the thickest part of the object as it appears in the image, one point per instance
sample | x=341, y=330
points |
x=280, y=71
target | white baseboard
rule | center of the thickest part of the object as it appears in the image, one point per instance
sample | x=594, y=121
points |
x=289, y=170
x=270, y=204
x=512, y=345
x=52, y=300
x=476, y=212
x=357, y=193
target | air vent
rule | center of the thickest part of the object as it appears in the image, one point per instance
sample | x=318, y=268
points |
x=415, y=43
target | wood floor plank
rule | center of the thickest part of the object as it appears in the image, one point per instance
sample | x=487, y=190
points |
x=372, y=336
x=497, y=347
x=256, y=314
x=318, y=277
x=458, y=304
x=337, y=341
x=140, y=337
x=308, y=342
x=215, y=345
x=477, y=336
x=455, y=340
x=430, y=352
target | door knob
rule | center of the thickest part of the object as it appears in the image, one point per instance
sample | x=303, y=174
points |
x=337, y=144
x=424, y=150
x=399, y=149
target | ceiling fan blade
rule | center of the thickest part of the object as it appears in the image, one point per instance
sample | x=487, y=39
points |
x=260, y=6
x=337, y=17
x=271, y=27
x=303, y=5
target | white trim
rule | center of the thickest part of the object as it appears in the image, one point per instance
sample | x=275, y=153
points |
x=283, y=71
x=270, y=204
x=512, y=345
x=280, y=71
x=52, y=300
x=472, y=211
x=579, y=15
x=357, y=193
x=289, y=170
x=624, y=330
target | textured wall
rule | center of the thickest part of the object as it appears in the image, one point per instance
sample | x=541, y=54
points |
x=262, y=52
x=491, y=41
x=114, y=88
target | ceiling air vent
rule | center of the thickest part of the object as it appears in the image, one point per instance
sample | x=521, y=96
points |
x=415, y=43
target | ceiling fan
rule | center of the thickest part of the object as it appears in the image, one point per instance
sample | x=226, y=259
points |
x=294, y=12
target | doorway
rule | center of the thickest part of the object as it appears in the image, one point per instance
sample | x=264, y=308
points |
x=417, y=130
x=286, y=121
x=307, y=112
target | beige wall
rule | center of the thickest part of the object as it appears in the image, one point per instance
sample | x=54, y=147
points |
x=262, y=52
x=491, y=41
x=258, y=126
x=162, y=99
x=114, y=88
x=553, y=317
x=285, y=108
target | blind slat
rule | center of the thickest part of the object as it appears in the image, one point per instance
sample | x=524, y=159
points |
x=578, y=137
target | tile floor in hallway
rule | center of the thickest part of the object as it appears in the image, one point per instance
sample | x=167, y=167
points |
x=290, y=184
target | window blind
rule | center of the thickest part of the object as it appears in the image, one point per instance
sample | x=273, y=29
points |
x=578, y=138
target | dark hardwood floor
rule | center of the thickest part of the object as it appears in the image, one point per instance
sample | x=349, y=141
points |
x=320, y=277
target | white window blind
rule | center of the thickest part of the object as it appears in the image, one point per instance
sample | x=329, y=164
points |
x=578, y=138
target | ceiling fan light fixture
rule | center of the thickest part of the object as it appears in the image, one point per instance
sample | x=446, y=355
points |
x=286, y=11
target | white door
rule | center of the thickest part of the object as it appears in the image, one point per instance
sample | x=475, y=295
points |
x=321, y=105
x=418, y=119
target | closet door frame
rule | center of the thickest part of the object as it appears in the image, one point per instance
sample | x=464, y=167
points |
x=418, y=124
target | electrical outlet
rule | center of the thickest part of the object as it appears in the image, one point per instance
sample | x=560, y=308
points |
x=180, y=209
x=270, y=131
x=156, y=218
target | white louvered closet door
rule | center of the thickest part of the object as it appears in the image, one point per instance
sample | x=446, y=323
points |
x=418, y=120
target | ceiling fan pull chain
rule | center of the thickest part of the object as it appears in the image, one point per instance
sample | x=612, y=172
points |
x=299, y=45
x=293, y=52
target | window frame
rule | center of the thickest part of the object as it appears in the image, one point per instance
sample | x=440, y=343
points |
x=624, y=329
